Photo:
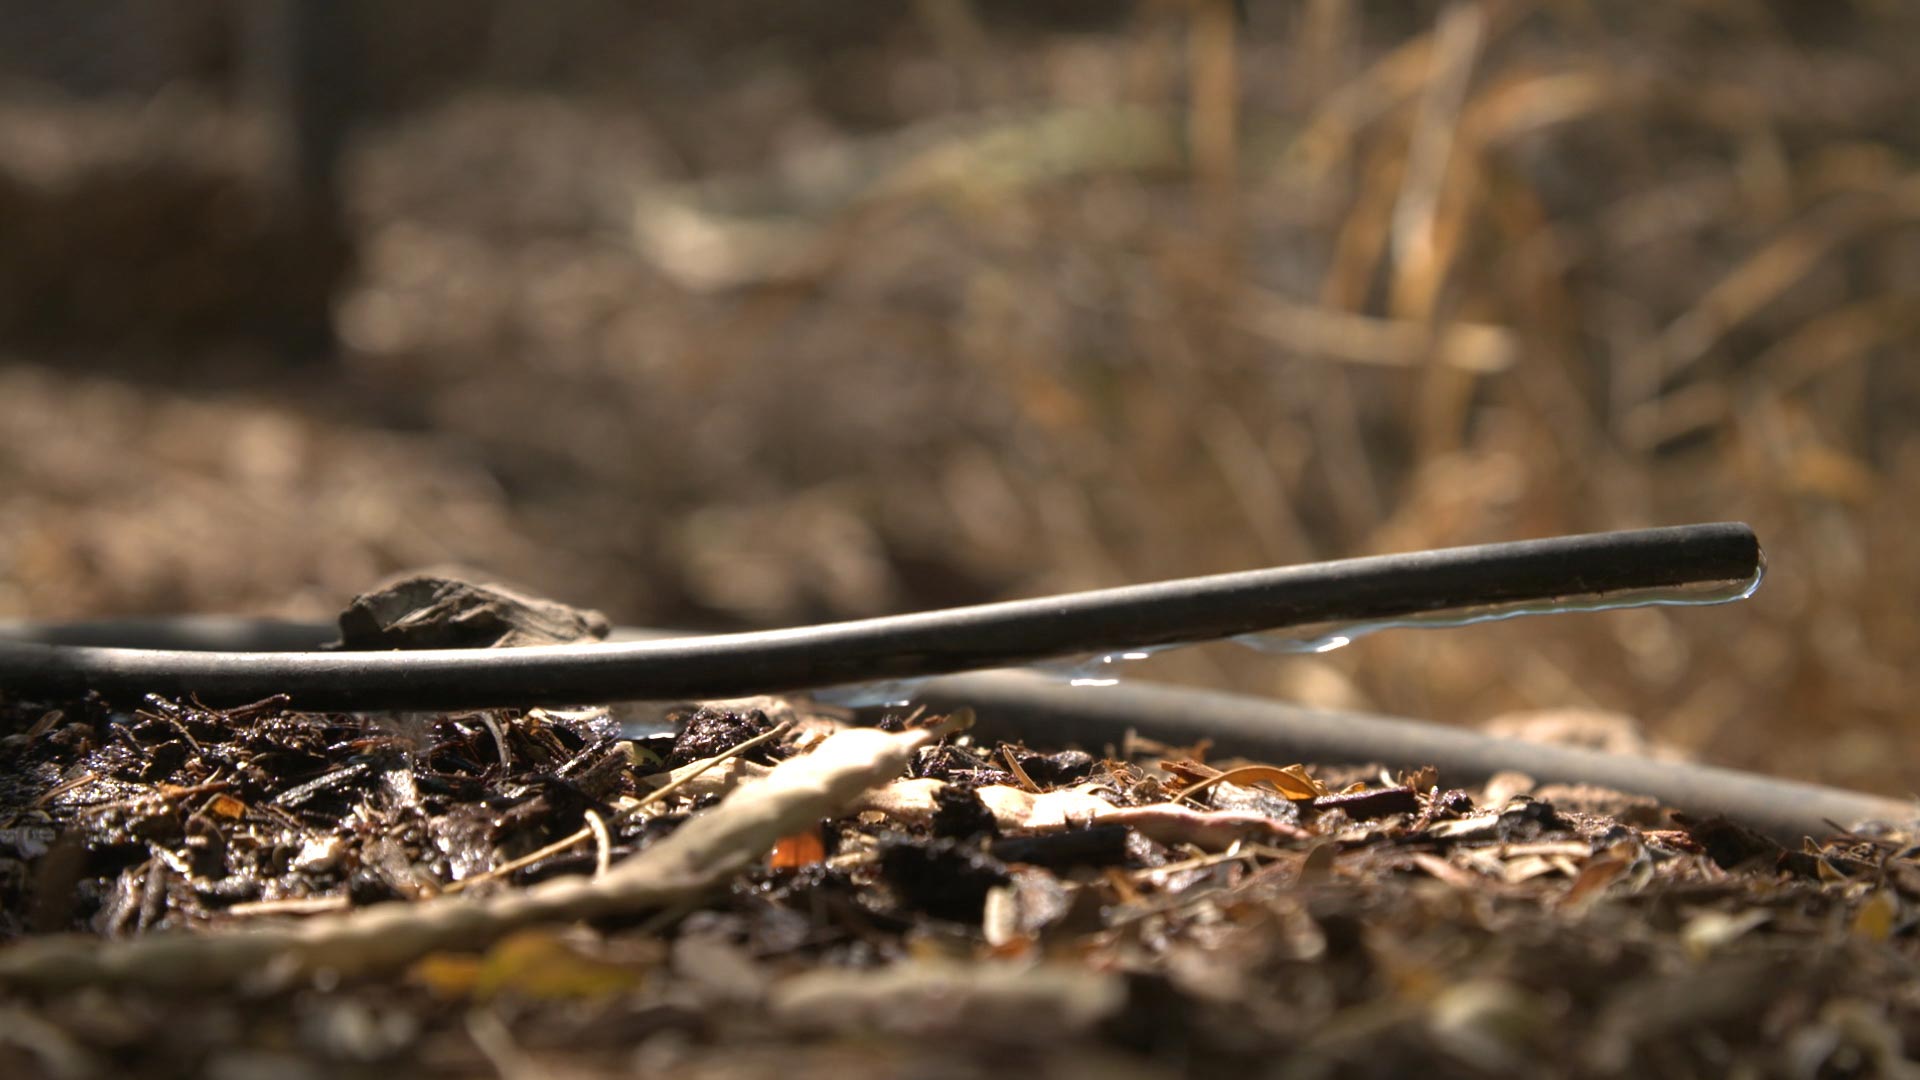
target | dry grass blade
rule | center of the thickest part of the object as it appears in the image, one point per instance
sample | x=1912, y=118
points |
x=1759, y=280
x=1479, y=348
x=1421, y=252
x=1327, y=140
x=1213, y=117
x=1831, y=340
x=1521, y=106
x=701, y=855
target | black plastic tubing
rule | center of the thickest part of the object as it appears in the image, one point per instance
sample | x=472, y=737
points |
x=1020, y=705
x=930, y=643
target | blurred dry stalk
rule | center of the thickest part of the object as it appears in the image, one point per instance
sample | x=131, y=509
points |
x=969, y=305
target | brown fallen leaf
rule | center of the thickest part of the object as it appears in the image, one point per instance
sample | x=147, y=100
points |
x=1293, y=781
x=1591, y=883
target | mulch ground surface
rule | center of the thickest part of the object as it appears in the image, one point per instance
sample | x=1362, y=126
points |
x=1140, y=910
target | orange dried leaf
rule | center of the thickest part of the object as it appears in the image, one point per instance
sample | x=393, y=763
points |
x=449, y=975
x=226, y=806
x=532, y=964
x=797, y=850
x=1874, y=921
x=538, y=965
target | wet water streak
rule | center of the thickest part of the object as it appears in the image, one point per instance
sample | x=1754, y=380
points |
x=1103, y=669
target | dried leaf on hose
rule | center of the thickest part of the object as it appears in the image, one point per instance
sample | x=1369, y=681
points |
x=701, y=855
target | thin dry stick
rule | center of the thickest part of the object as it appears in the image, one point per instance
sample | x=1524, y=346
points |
x=696, y=858
x=602, y=844
x=1427, y=214
x=291, y=905
x=164, y=793
x=700, y=767
x=1013, y=766
x=499, y=740
x=63, y=787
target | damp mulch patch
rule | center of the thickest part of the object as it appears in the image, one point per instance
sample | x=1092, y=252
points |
x=943, y=907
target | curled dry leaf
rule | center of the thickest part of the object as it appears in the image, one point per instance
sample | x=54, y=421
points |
x=1293, y=781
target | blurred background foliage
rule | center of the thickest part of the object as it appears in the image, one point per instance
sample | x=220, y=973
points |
x=727, y=314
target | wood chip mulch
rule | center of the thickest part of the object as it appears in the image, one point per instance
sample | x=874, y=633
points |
x=1111, y=911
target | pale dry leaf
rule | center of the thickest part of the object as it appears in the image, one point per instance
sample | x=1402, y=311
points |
x=908, y=802
x=927, y=998
x=1017, y=810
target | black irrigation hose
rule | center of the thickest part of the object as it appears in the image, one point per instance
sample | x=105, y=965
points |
x=1380, y=588
x=1025, y=706
x=219, y=659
